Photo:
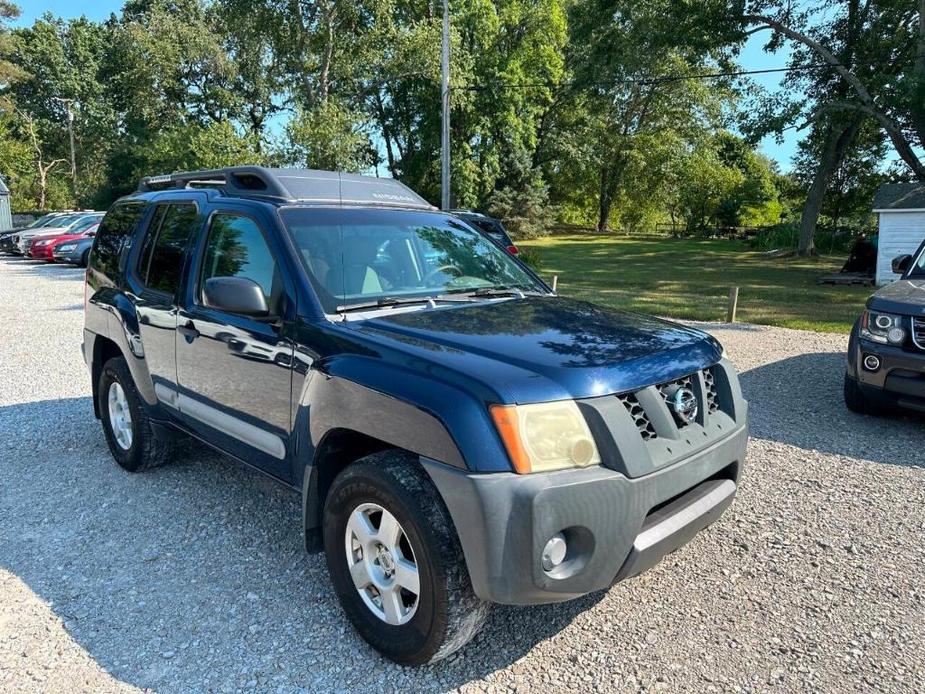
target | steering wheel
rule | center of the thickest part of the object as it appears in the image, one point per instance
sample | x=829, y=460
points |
x=442, y=269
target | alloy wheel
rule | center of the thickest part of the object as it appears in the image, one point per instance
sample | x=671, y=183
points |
x=382, y=564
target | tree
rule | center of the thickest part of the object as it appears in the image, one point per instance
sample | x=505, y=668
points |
x=629, y=67
x=853, y=83
x=9, y=71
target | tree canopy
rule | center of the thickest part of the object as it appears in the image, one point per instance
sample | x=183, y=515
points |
x=617, y=114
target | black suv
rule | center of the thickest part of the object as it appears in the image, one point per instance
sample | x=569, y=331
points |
x=491, y=227
x=886, y=350
x=459, y=434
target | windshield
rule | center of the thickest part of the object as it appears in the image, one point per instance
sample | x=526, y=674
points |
x=85, y=224
x=41, y=221
x=365, y=256
x=62, y=221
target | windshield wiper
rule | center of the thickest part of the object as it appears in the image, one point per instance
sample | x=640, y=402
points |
x=499, y=290
x=390, y=301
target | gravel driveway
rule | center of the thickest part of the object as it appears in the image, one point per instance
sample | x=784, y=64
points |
x=192, y=577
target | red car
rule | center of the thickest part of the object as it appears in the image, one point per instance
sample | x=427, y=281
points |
x=42, y=247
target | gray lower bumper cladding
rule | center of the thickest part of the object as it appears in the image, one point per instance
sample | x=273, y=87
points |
x=615, y=526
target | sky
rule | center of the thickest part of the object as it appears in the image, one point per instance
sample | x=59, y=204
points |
x=753, y=57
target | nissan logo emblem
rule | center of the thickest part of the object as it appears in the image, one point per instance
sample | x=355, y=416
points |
x=683, y=405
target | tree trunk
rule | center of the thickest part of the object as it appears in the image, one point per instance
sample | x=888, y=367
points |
x=837, y=141
x=606, y=199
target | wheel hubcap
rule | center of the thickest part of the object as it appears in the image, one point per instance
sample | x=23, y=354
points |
x=382, y=564
x=120, y=418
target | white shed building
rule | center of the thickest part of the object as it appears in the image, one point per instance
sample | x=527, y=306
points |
x=6, y=215
x=901, y=211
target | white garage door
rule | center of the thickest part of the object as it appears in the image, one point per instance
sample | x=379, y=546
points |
x=900, y=232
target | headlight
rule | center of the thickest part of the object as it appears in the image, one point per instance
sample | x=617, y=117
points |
x=43, y=243
x=545, y=436
x=882, y=327
x=66, y=247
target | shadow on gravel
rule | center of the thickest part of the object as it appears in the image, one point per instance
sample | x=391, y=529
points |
x=192, y=577
x=798, y=401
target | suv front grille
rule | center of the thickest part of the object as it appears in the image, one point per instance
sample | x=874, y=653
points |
x=646, y=430
x=918, y=332
x=710, y=403
x=710, y=390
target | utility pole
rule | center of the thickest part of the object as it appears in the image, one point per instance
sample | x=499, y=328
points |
x=445, y=105
x=70, y=130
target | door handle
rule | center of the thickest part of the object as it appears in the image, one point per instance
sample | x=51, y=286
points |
x=188, y=330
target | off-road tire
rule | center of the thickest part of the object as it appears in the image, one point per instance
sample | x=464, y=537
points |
x=150, y=446
x=854, y=398
x=448, y=614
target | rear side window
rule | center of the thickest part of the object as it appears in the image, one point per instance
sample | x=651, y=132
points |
x=162, y=254
x=114, y=234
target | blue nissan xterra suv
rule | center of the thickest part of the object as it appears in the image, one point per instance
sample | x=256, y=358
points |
x=459, y=434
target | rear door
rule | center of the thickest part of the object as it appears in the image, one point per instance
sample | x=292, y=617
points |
x=154, y=275
x=234, y=371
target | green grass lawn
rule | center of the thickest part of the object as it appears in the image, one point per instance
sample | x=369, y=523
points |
x=690, y=278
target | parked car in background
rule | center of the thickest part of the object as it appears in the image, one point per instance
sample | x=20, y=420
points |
x=458, y=434
x=886, y=349
x=69, y=224
x=491, y=227
x=44, y=221
x=42, y=247
x=74, y=251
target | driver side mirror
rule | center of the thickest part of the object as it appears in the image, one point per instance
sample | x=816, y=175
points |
x=236, y=295
x=901, y=264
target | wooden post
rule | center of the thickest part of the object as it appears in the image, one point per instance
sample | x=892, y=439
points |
x=733, y=305
x=555, y=282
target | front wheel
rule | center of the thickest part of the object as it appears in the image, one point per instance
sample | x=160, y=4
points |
x=396, y=562
x=854, y=398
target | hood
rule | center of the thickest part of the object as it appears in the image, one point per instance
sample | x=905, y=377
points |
x=49, y=231
x=903, y=297
x=546, y=348
x=56, y=237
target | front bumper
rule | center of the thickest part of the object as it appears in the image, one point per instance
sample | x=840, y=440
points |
x=900, y=380
x=615, y=526
x=72, y=256
x=40, y=252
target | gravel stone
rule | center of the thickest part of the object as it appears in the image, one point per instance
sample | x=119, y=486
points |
x=110, y=582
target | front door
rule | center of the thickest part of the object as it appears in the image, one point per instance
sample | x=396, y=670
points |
x=234, y=371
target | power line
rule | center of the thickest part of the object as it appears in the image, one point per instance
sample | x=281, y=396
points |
x=647, y=80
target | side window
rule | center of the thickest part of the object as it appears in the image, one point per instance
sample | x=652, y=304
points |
x=172, y=225
x=115, y=232
x=237, y=248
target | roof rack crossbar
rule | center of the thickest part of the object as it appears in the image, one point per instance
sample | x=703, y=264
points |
x=295, y=185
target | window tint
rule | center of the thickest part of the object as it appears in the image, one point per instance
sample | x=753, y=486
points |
x=115, y=233
x=172, y=225
x=237, y=248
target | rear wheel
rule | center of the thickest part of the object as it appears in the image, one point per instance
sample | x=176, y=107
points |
x=396, y=562
x=133, y=441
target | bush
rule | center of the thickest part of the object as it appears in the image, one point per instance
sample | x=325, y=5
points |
x=523, y=203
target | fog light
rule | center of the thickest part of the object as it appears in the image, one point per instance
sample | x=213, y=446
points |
x=871, y=362
x=896, y=335
x=554, y=552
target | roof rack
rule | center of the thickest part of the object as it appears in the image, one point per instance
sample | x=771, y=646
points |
x=294, y=185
